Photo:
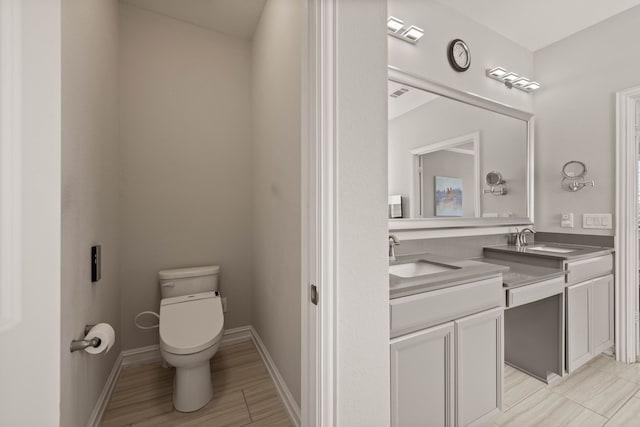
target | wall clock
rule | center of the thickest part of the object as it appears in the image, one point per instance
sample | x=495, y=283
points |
x=459, y=55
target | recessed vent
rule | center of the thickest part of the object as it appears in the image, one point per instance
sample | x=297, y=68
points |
x=399, y=92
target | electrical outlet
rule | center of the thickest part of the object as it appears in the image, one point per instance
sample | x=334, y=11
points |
x=224, y=304
x=603, y=221
x=566, y=220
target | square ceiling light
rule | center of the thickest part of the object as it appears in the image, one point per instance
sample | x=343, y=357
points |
x=413, y=34
x=394, y=24
x=496, y=72
x=532, y=86
x=510, y=77
x=512, y=80
x=522, y=82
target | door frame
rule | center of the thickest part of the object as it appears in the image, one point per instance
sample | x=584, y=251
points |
x=10, y=164
x=319, y=207
x=626, y=231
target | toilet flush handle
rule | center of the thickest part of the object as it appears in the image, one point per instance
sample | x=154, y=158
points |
x=168, y=285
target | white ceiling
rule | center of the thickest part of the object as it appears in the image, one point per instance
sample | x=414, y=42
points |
x=411, y=99
x=233, y=17
x=536, y=24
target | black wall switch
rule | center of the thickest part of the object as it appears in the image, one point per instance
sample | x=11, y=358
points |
x=95, y=263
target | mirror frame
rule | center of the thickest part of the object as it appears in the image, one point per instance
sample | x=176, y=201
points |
x=402, y=77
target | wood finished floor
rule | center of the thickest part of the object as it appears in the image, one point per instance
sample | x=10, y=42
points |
x=243, y=395
x=603, y=392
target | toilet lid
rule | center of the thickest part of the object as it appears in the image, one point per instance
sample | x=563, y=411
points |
x=190, y=323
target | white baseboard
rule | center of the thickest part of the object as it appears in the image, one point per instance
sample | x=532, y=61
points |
x=103, y=400
x=236, y=335
x=151, y=354
x=141, y=355
x=290, y=404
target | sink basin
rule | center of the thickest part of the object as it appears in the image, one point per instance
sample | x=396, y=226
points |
x=419, y=268
x=552, y=249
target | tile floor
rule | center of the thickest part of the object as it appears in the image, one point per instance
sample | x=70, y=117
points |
x=603, y=392
x=244, y=394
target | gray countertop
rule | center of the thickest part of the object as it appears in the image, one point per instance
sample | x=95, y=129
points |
x=579, y=252
x=514, y=274
x=466, y=271
x=521, y=274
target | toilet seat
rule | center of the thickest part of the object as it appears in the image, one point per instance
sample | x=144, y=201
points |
x=191, y=323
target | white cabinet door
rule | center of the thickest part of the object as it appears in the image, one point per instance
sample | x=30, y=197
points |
x=590, y=320
x=578, y=325
x=479, y=367
x=602, y=314
x=422, y=378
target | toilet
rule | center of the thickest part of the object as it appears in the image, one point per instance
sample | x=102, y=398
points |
x=191, y=328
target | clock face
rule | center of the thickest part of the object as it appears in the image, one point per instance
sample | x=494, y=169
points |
x=459, y=55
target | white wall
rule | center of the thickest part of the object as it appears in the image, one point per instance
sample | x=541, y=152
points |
x=575, y=112
x=489, y=49
x=276, y=203
x=362, y=300
x=185, y=159
x=30, y=352
x=89, y=196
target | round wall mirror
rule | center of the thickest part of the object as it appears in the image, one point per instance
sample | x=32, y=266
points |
x=494, y=178
x=574, y=169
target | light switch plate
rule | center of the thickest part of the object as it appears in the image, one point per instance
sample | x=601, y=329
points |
x=566, y=220
x=602, y=221
x=96, y=263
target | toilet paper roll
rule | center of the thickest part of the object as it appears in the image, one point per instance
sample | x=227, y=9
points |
x=107, y=337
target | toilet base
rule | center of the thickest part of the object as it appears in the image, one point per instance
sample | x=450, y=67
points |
x=192, y=388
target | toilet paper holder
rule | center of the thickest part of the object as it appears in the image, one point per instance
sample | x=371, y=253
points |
x=77, y=345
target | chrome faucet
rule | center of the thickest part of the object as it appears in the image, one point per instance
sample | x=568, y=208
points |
x=521, y=240
x=393, y=242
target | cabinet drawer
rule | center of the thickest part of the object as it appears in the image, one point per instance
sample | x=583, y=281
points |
x=534, y=292
x=589, y=268
x=419, y=311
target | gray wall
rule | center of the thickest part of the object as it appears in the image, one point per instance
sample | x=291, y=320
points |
x=576, y=117
x=362, y=382
x=89, y=196
x=185, y=131
x=276, y=185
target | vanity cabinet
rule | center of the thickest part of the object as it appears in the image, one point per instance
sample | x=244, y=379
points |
x=590, y=328
x=450, y=374
x=422, y=378
x=479, y=366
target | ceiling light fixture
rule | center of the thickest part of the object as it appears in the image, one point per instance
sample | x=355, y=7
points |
x=395, y=28
x=394, y=24
x=512, y=80
x=520, y=83
x=497, y=72
x=413, y=33
x=532, y=86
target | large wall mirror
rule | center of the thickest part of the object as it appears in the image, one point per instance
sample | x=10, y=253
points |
x=456, y=159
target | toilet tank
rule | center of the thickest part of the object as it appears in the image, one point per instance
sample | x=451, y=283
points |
x=186, y=281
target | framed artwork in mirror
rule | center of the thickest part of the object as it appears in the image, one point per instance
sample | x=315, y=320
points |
x=448, y=196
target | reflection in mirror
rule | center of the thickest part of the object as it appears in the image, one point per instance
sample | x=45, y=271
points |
x=439, y=148
x=445, y=176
